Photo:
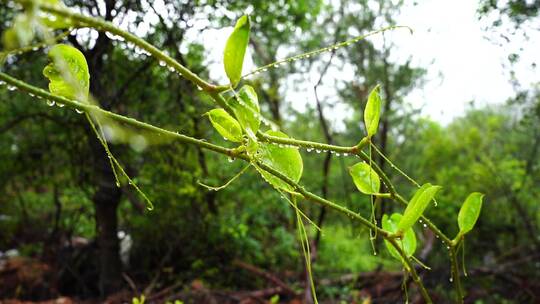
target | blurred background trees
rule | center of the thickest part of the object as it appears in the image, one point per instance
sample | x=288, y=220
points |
x=60, y=205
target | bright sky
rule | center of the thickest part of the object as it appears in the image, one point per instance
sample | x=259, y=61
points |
x=449, y=40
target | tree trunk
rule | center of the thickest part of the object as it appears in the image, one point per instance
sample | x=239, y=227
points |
x=106, y=200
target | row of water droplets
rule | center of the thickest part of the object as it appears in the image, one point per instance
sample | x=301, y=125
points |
x=436, y=235
x=289, y=60
x=140, y=52
x=311, y=149
x=49, y=102
x=331, y=48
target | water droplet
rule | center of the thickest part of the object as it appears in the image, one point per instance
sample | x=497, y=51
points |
x=171, y=69
x=60, y=105
x=264, y=70
x=448, y=247
x=318, y=151
x=436, y=235
x=35, y=48
x=199, y=88
x=162, y=63
x=337, y=154
x=425, y=225
x=118, y=184
x=11, y=88
x=79, y=111
x=309, y=149
x=451, y=279
x=420, y=220
x=2, y=82
x=230, y=159
x=50, y=103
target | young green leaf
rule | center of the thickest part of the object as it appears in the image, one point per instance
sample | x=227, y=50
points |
x=68, y=73
x=372, y=112
x=225, y=124
x=235, y=49
x=365, y=178
x=246, y=109
x=417, y=205
x=287, y=161
x=407, y=243
x=469, y=212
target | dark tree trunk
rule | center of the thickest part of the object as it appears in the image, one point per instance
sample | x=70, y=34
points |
x=106, y=200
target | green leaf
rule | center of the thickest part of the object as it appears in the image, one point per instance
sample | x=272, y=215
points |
x=235, y=49
x=68, y=73
x=469, y=212
x=246, y=109
x=225, y=124
x=20, y=34
x=285, y=160
x=372, y=112
x=417, y=205
x=407, y=243
x=365, y=178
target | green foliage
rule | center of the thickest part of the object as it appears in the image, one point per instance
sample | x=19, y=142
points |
x=235, y=49
x=407, y=242
x=365, y=178
x=469, y=212
x=225, y=124
x=372, y=112
x=285, y=160
x=417, y=205
x=68, y=72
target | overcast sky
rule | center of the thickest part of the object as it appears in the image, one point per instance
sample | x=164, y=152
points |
x=449, y=34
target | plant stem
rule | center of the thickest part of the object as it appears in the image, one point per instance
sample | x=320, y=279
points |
x=309, y=144
x=411, y=269
x=455, y=274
